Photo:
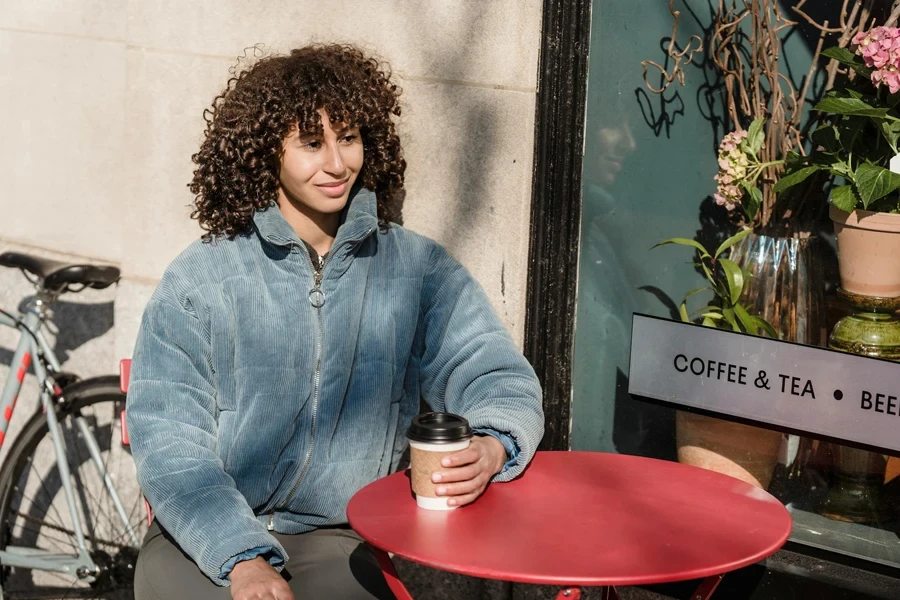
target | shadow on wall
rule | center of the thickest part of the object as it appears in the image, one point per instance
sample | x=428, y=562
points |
x=477, y=147
x=77, y=324
x=477, y=136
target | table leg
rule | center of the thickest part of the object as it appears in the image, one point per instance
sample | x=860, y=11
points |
x=390, y=575
x=707, y=587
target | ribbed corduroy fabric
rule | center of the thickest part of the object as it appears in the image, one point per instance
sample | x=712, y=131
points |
x=248, y=405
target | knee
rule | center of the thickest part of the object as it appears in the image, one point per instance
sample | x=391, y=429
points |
x=144, y=578
x=352, y=576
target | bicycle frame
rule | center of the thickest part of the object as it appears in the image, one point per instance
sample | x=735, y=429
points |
x=34, y=351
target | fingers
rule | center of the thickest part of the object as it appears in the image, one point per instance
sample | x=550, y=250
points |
x=464, y=476
x=464, y=499
x=462, y=488
x=463, y=457
x=459, y=474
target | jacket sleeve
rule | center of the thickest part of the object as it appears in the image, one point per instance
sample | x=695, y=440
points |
x=172, y=425
x=470, y=365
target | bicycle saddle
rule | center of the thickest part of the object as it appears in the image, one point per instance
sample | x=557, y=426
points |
x=57, y=275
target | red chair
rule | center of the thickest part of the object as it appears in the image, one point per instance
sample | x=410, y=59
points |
x=124, y=375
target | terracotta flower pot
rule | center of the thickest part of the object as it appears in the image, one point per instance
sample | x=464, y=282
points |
x=741, y=451
x=868, y=252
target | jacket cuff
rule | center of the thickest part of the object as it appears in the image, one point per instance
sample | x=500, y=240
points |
x=272, y=556
x=509, y=444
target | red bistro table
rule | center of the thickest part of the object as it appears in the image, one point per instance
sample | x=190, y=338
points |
x=578, y=519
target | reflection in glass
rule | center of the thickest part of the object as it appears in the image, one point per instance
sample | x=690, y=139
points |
x=648, y=174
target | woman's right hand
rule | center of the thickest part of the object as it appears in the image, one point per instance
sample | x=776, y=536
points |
x=256, y=579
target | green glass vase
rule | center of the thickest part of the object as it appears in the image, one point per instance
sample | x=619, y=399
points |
x=872, y=330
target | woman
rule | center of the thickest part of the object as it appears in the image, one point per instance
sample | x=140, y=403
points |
x=283, y=356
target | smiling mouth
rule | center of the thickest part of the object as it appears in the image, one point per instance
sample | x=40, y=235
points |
x=333, y=184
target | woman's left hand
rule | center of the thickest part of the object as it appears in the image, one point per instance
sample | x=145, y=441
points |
x=466, y=474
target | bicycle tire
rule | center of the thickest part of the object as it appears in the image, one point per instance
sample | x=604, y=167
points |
x=33, y=511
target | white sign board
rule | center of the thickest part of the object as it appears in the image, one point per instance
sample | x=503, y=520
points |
x=790, y=386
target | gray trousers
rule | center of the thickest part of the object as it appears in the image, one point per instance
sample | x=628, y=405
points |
x=325, y=563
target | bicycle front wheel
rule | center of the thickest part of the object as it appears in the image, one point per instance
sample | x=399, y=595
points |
x=33, y=508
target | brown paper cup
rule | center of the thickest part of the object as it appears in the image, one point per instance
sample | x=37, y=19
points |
x=424, y=460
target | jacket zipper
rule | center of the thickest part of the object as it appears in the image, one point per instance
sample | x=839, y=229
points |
x=317, y=300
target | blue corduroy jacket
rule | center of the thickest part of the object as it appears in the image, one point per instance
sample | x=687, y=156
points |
x=258, y=404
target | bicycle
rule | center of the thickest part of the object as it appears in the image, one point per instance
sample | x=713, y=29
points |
x=71, y=511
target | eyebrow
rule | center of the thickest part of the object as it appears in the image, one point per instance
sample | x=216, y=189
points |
x=337, y=130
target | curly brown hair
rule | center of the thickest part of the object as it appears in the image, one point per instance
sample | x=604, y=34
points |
x=238, y=163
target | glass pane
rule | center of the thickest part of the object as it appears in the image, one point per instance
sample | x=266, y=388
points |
x=648, y=176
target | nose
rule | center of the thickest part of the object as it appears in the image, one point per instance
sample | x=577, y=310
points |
x=334, y=163
x=628, y=143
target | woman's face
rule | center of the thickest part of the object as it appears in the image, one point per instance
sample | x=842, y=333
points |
x=318, y=170
x=614, y=144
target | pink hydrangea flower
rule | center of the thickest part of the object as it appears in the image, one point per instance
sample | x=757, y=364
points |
x=733, y=165
x=880, y=50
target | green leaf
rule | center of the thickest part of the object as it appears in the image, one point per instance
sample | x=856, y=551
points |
x=696, y=291
x=828, y=137
x=682, y=310
x=874, y=182
x=794, y=178
x=685, y=242
x=766, y=327
x=735, y=278
x=890, y=130
x=706, y=309
x=729, y=316
x=713, y=316
x=850, y=130
x=849, y=106
x=848, y=58
x=745, y=319
x=709, y=275
x=755, y=135
x=844, y=197
x=732, y=241
x=707, y=322
x=753, y=202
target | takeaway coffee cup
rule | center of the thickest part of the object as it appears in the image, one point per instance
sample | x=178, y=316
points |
x=432, y=436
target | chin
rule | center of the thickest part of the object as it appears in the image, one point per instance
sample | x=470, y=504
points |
x=328, y=205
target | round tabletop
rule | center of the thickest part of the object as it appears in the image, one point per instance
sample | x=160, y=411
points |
x=582, y=519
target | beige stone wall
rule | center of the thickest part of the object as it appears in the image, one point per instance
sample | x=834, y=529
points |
x=100, y=110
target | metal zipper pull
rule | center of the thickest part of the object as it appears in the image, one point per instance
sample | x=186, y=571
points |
x=316, y=295
x=271, y=525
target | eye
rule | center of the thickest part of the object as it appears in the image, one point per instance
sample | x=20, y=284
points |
x=350, y=138
x=312, y=145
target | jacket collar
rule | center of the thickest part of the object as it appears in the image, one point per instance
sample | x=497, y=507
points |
x=359, y=220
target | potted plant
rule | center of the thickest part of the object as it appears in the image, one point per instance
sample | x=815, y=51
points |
x=744, y=56
x=859, y=146
x=746, y=60
x=742, y=451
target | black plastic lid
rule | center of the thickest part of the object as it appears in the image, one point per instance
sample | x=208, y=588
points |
x=439, y=428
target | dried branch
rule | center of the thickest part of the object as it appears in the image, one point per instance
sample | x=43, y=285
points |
x=895, y=14
x=745, y=49
x=823, y=27
x=680, y=58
